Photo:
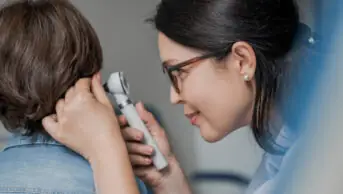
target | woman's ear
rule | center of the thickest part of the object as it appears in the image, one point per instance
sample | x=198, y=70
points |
x=245, y=59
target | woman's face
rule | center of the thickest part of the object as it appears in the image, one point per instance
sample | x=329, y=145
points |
x=216, y=97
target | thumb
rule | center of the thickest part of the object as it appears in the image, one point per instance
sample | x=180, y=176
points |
x=99, y=91
x=146, y=116
x=51, y=126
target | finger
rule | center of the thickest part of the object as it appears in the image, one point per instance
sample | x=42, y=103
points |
x=145, y=115
x=131, y=134
x=140, y=160
x=140, y=149
x=99, y=92
x=70, y=93
x=141, y=171
x=60, y=107
x=50, y=124
x=146, y=173
x=122, y=121
x=150, y=121
x=83, y=84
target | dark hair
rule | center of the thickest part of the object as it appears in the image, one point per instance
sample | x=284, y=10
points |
x=269, y=26
x=45, y=47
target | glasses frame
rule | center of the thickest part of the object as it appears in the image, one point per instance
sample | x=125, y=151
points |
x=170, y=69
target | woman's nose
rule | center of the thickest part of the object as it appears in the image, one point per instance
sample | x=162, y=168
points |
x=175, y=98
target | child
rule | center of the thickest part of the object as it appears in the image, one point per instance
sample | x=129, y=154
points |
x=45, y=47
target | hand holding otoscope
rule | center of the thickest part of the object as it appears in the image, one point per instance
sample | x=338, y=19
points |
x=119, y=88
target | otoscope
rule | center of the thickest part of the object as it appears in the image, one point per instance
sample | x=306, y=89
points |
x=118, y=86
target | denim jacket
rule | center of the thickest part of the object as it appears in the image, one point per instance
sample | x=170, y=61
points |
x=38, y=164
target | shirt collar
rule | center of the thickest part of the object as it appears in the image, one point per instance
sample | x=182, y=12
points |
x=35, y=139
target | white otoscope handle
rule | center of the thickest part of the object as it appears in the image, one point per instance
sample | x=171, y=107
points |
x=134, y=121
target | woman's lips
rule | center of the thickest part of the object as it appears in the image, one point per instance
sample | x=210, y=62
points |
x=193, y=117
x=194, y=120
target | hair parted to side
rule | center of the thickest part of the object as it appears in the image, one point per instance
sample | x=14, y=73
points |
x=269, y=26
x=45, y=47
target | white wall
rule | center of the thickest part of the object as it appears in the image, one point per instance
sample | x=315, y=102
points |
x=307, y=11
x=3, y=135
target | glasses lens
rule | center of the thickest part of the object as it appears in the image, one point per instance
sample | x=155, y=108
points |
x=172, y=78
x=174, y=81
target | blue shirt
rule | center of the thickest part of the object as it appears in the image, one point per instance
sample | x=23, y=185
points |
x=264, y=180
x=39, y=164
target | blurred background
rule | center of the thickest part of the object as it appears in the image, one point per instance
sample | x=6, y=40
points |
x=130, y=45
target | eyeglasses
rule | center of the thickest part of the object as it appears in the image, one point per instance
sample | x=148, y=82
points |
x=173, y=71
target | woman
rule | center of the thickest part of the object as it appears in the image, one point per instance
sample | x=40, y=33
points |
x=226, y=60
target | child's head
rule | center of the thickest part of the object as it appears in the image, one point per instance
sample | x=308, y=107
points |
x=45, y=47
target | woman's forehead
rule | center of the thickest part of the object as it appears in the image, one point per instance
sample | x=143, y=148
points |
x=172, y=52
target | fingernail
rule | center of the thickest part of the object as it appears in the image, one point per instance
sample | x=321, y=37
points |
x=147, y=160
x=149, y=151
x=139, y=137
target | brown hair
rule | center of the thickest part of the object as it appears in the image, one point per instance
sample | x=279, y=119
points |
x=45, y=47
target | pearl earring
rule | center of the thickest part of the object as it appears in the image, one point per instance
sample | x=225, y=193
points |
x=246, y=77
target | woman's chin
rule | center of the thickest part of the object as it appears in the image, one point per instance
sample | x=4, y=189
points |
x=211, y=135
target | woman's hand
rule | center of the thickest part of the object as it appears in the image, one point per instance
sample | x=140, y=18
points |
x=85, y=120
x=140, y=154
x=86, y=123
x=168, y=180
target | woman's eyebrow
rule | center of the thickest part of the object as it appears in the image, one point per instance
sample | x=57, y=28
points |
x=170, y=62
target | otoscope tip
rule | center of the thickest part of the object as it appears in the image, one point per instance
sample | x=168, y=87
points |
x=106, y=87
